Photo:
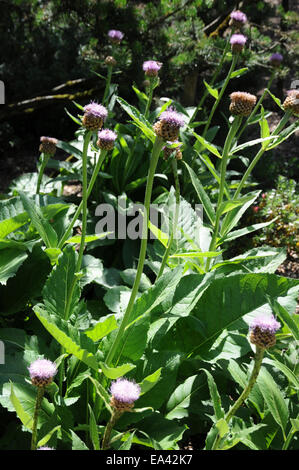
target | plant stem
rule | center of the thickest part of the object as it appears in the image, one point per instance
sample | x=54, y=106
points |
x=212, y=81
x=44, y=160
x=158, y=144
x=87, y=138
x=39, y=397
x=176, y=216
x=227, y=146
x=233, y=64
x=244, y=395
x=150, y=98
x=108, y=81
x=276, y=131
x=90, y=187
x=107, y=434
x=254, y=111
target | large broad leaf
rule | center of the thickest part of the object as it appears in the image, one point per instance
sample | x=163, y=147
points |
x=40, y=223
x=222, y=305
x=12, y=256
x=73, y=341
x=61, y=292
x=180, y=403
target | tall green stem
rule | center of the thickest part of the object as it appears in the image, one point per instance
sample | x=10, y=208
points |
x=176, y=216
x=150, y=98
x=244, y=395
x=107, y=434
x=108, y=82
x=39, y=397
x=87, y=138
x=212, y=81
x=254, y=111
x=227, y=146
x=148, y=193
x=44, y=160
x=90, y=187
x=215, y=105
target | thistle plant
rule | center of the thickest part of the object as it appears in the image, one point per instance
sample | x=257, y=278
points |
x=42, y=372
x=115, y=37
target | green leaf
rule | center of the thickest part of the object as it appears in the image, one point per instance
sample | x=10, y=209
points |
x=273, y=398
x=116, y=372
x=61, y=292
x=282, y=313
x=42, y=226
x=265, y=131
x=68, y=336
x=254, y=142
x=93, y=430
x=204, y=198
x=24, y=417
x=77, y=443
x=211, y=90
x=244, y=231
x=150, y=381
x=167, y=433
x=102, y=392
x=285, y=134
x=216, y=400
x=207, y=145
x=127, y=444
x=275, y=99
x=90, y=238
x=239, y=72
x=138, y=118
x=48, y=436
x=12, y=216
x=222, y=427
x=197, y=254
x=10, y=261
x=161, y=236
x=102, y=328
x=179, y=404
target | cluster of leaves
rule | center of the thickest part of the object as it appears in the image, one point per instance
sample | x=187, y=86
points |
x=281, y=203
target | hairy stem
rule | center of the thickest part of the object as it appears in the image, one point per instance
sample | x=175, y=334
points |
x=39, y=397
x=44, y=160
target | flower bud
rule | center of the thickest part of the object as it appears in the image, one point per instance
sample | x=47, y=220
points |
x=292, y=102
x=94, y=116
x=242, y=103
x=262, y=331
x=151, y=68
x=168, y=151
x=168, y=125
x=110, y=61
x=124, y=394
x=42, y=372
x=237, y=19
x=115, y=36
x=48, y=145
x=237, y=42
x=276, y=59
x=106, y=139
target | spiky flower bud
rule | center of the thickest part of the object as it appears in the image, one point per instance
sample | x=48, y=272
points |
x=237, y=42
x=238, y=19
x=106, y=139
x=48, y=145
x=115, y=36
x=151, y=68
x=124, y=394
x=242, y=103
x=177, y=151
x=42, y=372
x=168, y=125
x=94, y=116
x=276, y=59
x=262, y=331
x=110, y=61
x=292, y=102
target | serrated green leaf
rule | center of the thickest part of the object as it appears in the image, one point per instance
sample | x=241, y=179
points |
x=102, y=328
x=150, y=381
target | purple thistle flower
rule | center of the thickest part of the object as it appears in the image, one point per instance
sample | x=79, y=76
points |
x=151, y=68
x=125, y=391
x=42, y=372
x=276, y=59
x=172, y=117
x=238, y=16
x=237, y=42
x=106, y=139
x=115, y=36
x=96, y=110
x=265, y=323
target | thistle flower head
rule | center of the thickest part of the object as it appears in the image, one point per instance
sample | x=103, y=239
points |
x=115, y=36
x=94, y=116
x=110, y=61
x=48, y=145
x=151, y=68
x=238, y=19
x=276, y=59
x=124, y=393
x=106, y=139
x=237, y=42
x=242, y=103
x=42, y=372
x=169, y=124
x=292, y=102
x=167, y=151
x=262, y=331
